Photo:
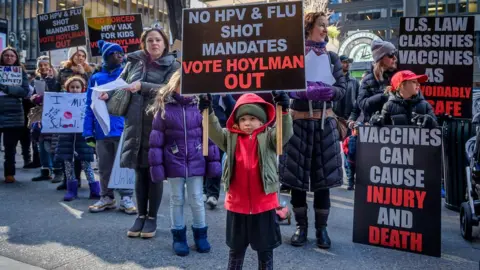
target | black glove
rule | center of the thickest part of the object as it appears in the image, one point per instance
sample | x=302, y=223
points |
x=281, y=98
x=91, y=141
x=205, y=103
x=376, y=119
x=422, y=120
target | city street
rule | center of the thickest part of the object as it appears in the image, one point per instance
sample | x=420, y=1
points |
x=39, y=231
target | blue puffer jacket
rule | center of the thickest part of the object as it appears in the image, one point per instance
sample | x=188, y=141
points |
x=91, y=127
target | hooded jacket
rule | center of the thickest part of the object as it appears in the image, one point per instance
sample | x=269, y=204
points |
x=91, y=126
x=176, y=143
x=250, y=171
x=399, y=111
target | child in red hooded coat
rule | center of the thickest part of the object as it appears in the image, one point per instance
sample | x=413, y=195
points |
x=250, y=174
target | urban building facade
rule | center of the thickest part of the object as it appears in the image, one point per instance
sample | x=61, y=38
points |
x=22, y=22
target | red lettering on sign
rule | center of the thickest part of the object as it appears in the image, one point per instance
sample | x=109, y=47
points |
x=395, y=238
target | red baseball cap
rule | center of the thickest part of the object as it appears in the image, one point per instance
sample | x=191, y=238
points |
x=406, y=75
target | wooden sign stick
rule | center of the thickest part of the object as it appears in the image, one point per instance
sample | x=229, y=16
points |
x=205, y=132
x=279, y=116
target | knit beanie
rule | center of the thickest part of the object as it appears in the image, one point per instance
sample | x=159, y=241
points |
x=42, y=59
x=253, y=109
x=72, y=51
x=107, y=48
x=381, y=48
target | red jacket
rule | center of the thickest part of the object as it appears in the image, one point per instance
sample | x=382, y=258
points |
x=246, y=194
x=345, y=145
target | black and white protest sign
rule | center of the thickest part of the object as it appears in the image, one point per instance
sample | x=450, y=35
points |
x=247, y=48
x=397, y=190
x=61, y=29
x=125, y=30
x=3, y=34
x=442, y=48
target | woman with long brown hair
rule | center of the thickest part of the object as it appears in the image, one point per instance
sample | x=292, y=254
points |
x=12, y=118
x=147, y=70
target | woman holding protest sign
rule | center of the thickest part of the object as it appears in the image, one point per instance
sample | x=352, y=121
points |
x=147, y=70
x=12, y=118
x=312, y=159
x=371, y=96
x=76, y=65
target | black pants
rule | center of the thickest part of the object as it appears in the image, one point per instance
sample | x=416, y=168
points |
x=321, y=199
x=11, y=136
x=236, y=257
x=26, y=142
x=149, y=194
x=211, y=186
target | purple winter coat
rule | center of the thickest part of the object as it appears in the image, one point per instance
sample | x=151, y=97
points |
x=168, y=156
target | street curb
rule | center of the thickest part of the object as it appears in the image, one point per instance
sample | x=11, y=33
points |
x=10, y=264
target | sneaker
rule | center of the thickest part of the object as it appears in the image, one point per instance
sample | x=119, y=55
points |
x=149, y=228
x=212, y=202
x=137, y=227
x=127, y=206
x=103, y=204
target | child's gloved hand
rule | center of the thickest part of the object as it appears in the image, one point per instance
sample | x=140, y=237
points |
x=205, y=103
x=422, y=120
x=281, y=98
x=376, y=119
x=91, y=141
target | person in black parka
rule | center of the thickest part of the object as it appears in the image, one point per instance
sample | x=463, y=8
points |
x=371, y=95
x=312, y=158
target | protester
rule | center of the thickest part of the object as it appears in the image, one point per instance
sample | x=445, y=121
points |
x=72, y=146
x=405, y=105
x=106, y=145
x=176, y=155
x=12, y=118
x=350, y=149
x=347, y=107
x=250, y=174
x=26, y=141
x=371, y=96
x=147, y=70
x=312, y=159
x=46, y=73
x=222, y=106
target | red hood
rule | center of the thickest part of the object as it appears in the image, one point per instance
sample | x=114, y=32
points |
x=251, y=98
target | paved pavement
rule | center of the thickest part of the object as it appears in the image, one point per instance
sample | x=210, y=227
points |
x=39, y=231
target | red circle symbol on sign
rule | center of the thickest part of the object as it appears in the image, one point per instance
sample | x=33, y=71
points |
x=67, y=115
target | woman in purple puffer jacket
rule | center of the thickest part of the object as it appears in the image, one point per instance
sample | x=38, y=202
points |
x=176, y=155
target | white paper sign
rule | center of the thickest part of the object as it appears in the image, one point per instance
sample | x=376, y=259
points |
x=39, y=86
x=121, y=178
x=63, y=112
x=118, y=84
x=318, y=68
x=99, y=108
x=10, y=75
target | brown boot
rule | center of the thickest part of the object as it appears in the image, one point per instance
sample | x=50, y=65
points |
x=9, y=179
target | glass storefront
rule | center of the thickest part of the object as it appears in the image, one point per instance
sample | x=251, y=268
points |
x=447, y=7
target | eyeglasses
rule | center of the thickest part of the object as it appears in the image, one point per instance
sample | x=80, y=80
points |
x=119, y=54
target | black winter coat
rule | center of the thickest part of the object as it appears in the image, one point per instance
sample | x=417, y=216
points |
x=398, y=111
x=312, y=157
x=371, y=95
x=347, y=107
x=73, y=146
x=138, y=124
x=12, y=114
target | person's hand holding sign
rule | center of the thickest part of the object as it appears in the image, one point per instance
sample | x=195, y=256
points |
x=205, y=102
x=103, y=96
x=134, y=87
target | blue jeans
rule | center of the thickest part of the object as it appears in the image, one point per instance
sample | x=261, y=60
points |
x=195, y=199
x=45, y=156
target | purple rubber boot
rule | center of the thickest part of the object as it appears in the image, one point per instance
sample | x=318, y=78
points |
x=94, y=190
x=72, y=191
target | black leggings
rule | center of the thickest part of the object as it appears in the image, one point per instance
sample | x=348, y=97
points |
x=235, y=261
x=149, y=194
x=321, y=199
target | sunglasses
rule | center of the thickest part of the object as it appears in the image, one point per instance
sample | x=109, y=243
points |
x=392, y=54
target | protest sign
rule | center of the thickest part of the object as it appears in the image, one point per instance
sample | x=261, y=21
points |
x=11, y=75
x=63, y=112
x=121, y=178
x=247, y=48
x=3, y=34
x=397, y=189
x=442, y=48
x=125, y=30
x=61, y=29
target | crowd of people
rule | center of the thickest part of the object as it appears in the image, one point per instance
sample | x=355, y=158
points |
x=162, y=132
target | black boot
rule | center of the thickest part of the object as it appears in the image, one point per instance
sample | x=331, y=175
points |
x=321, y=217
x=45, y=174
x=299, y=238
x=63, y=185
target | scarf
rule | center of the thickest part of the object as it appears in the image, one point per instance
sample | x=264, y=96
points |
x=318, y=47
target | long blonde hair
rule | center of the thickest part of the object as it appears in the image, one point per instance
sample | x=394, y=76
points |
x=378, y=71
x=164, y=93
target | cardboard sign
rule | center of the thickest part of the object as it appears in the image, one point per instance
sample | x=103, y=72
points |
x=63, y=112
x=121, y=178
x=247, y=48
x=11, y=75
x=3, y=34
x=397, y=191
x=61, y=29
x=442, y=48
x=125, y=30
